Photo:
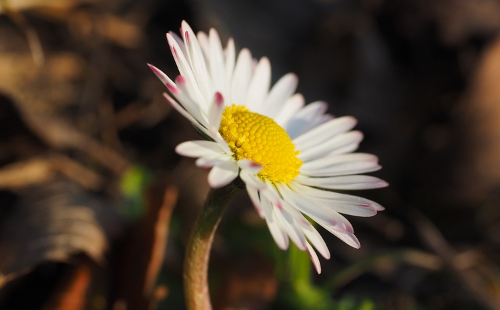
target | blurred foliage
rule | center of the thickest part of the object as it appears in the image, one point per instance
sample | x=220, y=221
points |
x=133, y=185
x=299, y=291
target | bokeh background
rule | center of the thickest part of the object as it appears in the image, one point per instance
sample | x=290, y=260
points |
x=95, y=206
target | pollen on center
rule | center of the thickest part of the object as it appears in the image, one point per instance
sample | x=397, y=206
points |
x=259, y=138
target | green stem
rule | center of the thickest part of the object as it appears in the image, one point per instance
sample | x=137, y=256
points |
x=198, y=250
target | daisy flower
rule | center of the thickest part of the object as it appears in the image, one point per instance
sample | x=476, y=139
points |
x=291, y=156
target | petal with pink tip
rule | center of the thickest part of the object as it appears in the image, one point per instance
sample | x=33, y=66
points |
x=250, y=166
x=215, y=111
x=314, y=258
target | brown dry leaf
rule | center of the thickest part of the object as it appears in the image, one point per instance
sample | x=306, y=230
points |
x=38, y=170
x=52, y=222
x=40, y=4
x=61, y=135
x=144, y=255
x=76, y=172
x=72, y=289
x=46, y=89
x=121, y=31
x=21, y=174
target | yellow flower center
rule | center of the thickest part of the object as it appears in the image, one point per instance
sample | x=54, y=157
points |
x=259, y=138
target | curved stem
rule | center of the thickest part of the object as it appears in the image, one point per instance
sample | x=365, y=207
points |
x=199, y=245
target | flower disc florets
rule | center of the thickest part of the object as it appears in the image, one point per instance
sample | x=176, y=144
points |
x=259, y=138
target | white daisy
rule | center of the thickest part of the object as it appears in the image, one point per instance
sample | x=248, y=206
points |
x=291, y=156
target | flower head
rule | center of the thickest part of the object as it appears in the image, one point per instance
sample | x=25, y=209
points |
x=291, y=156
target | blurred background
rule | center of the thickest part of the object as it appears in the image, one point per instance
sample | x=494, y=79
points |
x=96, y=207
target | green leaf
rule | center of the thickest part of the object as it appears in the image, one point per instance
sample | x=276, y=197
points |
x=133, y=185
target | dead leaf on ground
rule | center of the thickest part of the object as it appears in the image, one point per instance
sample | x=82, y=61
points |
x=47, y=89
x=61, y=135
x=21, y=174
x=71, y=291
x=52, y=222
x=19, y=5
x=38, y=170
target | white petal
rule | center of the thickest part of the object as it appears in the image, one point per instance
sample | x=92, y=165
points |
x=210, y=161
x=317, y=211
x=349, y=182
x=218, y=138
x=179, y=41
x=223, y=174
x=376, y=206
x=259, y=85
x=313, y=236
x=348, y=238
x=356, y=210
x=251, y=180
x=278, y=234
x=275, y=228
x=217, y=62
x=349, y=139
x=345, y=207
x=333, y=196
x=314, y=258
x=215, y=111
x=290, y=108
x=291, y=227
x=181, y=93
x=343, y=164
x=254, y=197
x=281, y=91
x=267, y=207
x=204, y=44
x=361, y=210
x=324, y=132
x=348, y=148
x=305, y=118
x=197, y=61
x=186, y=71
x=332, y=224
x=162, y=76
x=229, y=67
x=270, y=193
x=186, y=114
x=199, y=148
x=241, y=77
